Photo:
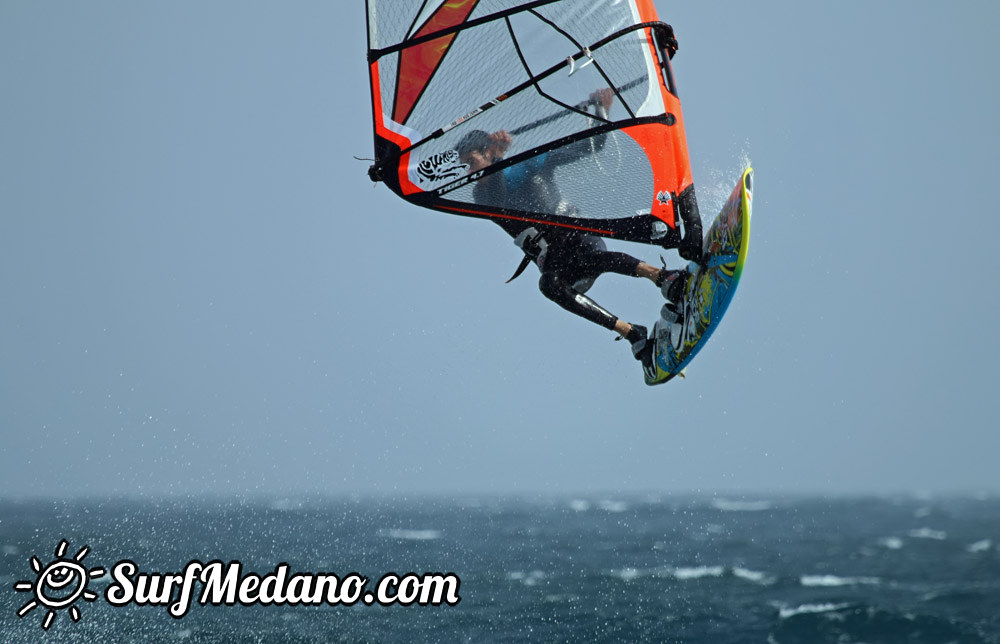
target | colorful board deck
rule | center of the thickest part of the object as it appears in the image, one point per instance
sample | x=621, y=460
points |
x=709, y=290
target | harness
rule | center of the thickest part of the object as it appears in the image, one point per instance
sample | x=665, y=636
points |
x=533, y=243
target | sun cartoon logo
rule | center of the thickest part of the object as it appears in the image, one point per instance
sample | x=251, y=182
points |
x=59, y=584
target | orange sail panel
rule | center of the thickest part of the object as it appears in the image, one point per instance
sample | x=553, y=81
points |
x=418, y=64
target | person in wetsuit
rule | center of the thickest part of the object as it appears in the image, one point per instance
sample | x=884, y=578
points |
x=569, y=260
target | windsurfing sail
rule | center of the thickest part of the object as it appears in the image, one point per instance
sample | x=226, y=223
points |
x=447, y=72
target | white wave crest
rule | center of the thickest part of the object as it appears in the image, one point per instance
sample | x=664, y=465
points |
x=680, y=573
x=527, y=578
x=727, y=505
x=628, y=574
x=698, y=572
x=687, y=573
x=752, y=575
x=413, y=535
x=613, y=506
x=785, y=613
x=892, y=543
x=928, y=533
x=830, y=581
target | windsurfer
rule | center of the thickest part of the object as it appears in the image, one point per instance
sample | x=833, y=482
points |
x=569, y=260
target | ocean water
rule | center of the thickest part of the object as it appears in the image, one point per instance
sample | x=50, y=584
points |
x=698, y=569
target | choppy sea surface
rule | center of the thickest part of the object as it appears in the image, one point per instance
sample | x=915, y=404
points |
x=695, y=569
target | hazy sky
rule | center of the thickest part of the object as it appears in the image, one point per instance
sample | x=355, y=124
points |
x=203, y=292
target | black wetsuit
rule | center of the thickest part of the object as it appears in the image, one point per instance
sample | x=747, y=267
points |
x=572, y=260
x=569, y=269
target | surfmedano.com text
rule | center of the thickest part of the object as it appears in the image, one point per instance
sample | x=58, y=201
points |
x=228, y=585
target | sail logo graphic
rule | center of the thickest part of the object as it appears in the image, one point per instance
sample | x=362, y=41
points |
x=440, y=167
x=59, y=584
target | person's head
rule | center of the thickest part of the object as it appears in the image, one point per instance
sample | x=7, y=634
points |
x=474, y=150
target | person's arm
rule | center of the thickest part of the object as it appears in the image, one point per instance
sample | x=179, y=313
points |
x=499, y=142
x=602, y=100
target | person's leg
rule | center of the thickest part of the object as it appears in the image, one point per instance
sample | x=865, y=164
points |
x=589, y=257
x=670, y=281
x=648, y=271
x=592, y=258
x=582, y=259
x=622, y=328
x=554, y=287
